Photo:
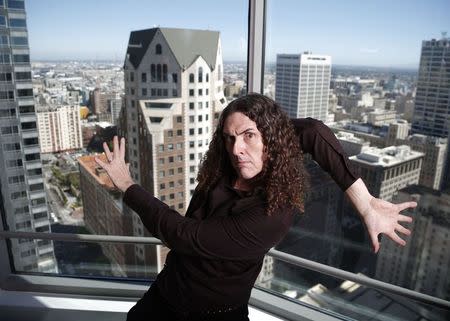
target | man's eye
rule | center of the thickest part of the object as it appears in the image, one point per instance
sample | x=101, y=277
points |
x=249, y=135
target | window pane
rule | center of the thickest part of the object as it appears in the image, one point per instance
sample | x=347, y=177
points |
x=376, y=88
x=87, y=94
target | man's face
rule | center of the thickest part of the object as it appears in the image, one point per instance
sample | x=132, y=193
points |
x=244, y=145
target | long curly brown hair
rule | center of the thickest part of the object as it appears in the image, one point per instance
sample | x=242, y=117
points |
x=282, y=177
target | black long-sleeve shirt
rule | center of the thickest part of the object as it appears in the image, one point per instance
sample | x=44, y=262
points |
x=217, y=248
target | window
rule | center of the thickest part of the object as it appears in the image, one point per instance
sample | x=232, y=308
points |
x=19, y=41
x=7, y=95
x=191, y=78
x=191, y=106
x=144, y=77
x=26, y=109
x=179, y=132
x=4, y=41
x=22, y=76
x=158, y=73
x=191, y=92
x=164, y=73
x=191, y=131
x=5, y=77
x=207, y=77
x=174, y=78
x=174, y=93
x=200, y=92
x=5, y=58
x=17, y=23
x=144, y=91
x=2, y=21
x=16, y=4
x=200, y=74
x=131, y=76
x=158, y=49
x=153, y=72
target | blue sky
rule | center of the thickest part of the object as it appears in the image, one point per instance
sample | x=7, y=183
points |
x=376, y=33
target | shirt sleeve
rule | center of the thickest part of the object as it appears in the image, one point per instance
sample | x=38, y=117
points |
x=246, y=235
x=319, y=141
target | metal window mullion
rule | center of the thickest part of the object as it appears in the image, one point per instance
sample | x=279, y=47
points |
x=256, y=44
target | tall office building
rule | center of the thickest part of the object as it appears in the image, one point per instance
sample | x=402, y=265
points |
x=173, y=95
x=432, y=105
x=23, y=202
x=302, y=84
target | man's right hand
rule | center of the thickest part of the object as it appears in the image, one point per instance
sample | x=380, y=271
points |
x=117, y=169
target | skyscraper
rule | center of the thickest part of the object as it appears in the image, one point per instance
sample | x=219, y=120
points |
x=302, y=84
x=23, y=202
x=432, y=106
x=173, y=94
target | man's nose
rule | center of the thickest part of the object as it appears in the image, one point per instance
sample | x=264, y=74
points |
x=238, y=147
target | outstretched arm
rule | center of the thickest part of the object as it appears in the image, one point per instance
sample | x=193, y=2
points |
x=378, y=215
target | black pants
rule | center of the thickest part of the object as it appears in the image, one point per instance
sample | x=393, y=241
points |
x=153, y=307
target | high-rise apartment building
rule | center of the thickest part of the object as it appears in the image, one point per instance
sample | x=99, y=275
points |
x=173, y=94
x=59, y=128
x=23, y=202
x=432, y=103
x=302, y=84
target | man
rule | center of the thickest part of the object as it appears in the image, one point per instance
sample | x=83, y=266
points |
x=251, y=184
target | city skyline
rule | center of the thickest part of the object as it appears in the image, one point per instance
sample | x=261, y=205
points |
x=367, y=36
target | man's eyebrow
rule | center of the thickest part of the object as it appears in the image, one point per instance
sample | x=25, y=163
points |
x=242, y=132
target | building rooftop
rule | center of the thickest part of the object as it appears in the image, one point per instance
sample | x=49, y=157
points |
x=186, y=45
x=100, y=175
x=386, y=157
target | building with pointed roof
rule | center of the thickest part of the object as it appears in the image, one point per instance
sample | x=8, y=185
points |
x=173, y=95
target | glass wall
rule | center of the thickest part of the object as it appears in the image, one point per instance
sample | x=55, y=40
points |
x=366, y=71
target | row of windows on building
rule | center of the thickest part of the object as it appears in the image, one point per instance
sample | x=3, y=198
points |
x=12, y=22
x=9, y=130
x=170, y=172
x=13, y=4
x=21, y=93
x=18, y=76
x=5, y=41
x=5, y=59
x=179, y=146
x=199, y=92
x=171, y=184
x=159, y=73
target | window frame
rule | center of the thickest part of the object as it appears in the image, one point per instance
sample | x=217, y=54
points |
x=69, y=286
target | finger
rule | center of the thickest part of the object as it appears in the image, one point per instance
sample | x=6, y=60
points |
x=122, y=148
x=404, y=218
x=403, y=229
x=101, y=163
x=405, y=205
x=397, y=239
x=116, y=147
x=107, y=151
x=375, y=242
